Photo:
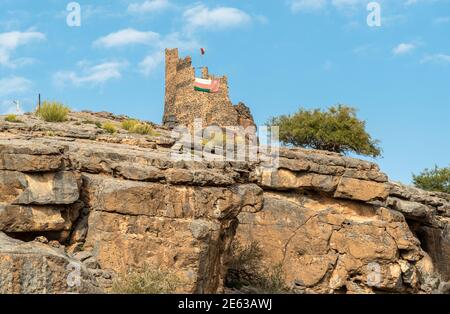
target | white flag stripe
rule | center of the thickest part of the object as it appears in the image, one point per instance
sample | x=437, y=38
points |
x=203, y=81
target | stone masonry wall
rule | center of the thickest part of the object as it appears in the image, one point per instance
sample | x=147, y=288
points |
x=185, y=104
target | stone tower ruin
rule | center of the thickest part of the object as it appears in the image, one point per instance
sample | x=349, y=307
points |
x=183, y=104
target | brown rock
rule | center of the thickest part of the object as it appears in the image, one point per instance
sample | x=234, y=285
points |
x=38, y=268
x=17, y=155
x=361, y=190
x=49, y=188
x=14, y=218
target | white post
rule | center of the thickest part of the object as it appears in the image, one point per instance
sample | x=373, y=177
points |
x=17, y=103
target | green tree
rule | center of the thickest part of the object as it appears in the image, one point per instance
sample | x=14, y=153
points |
x=437, y=179
x=338, y=130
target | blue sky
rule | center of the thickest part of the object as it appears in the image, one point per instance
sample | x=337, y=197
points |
x=278, y=54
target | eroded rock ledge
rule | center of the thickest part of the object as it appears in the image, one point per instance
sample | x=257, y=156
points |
x=71, y=195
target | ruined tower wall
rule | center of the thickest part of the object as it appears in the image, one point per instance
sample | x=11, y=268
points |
x=185, y=104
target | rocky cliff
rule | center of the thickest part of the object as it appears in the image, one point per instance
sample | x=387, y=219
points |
x=79, y=206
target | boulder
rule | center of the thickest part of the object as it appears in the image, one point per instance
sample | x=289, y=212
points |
x=33, y=267
x=39, y=189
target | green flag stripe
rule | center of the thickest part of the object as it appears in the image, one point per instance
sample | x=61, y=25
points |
x=202, y=89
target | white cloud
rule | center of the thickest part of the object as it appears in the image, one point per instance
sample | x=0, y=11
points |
x=183, y=41
x=201, y=16
x=307, y=5
x=349, y=6
x=440, y=58
x=10, y=41
x=128, y=36
x=151, y=62
x=14, y=85
x=173, y=40
x=403, y=48
x=91, y=75
x=414, y=2
x=148, y=6
x=178, y=40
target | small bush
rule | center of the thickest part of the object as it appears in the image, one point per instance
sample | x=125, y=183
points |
x=437, y=179
x=245, y=271
x=129, y=124
x=12, y=118
x=147, y=281
x=53, y=111
x=273, y=281
x=109, y=127
x=142, y=128
x=98, y=124
x=134, y=126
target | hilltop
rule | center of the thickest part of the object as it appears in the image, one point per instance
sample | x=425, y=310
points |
x=77, y=200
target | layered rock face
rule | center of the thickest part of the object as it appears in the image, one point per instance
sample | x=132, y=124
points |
x=336, y=225
x=115, y=206
x=79, y=207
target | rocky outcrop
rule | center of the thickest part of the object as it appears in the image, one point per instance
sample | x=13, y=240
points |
x=121, y=202
x=33, y=267
x=73, y=197
x=336, y=224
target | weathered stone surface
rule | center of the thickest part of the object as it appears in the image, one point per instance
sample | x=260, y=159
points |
x=37, y=268
x=19, y=155
x=178, y=227
x=120, y=201
x=361, y=190
x=283, y=179
x=411, y=209
x=16, y=218
x=49, y=188
x=326, y=245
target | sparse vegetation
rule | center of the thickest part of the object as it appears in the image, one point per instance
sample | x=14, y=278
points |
x=147, y=281
x=142, y=128
x=129, y=124
x=52, y=111
x=337, y=130
x=134, y=126
x=98, y=124
x=109, y=127
x=246, y=272
x=437, y=179
x=12, y=118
